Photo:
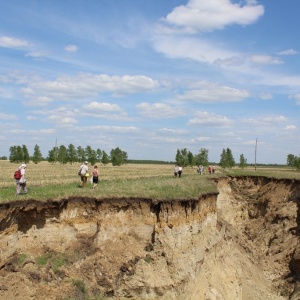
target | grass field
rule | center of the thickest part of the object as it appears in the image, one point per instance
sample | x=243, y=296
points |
x=56, y=181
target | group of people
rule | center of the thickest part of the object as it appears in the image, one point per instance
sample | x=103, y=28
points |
x=21, y=184
x=177, y=171
x=84, y=174
x=210, y=169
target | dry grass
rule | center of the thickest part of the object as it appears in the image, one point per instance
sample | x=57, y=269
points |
x=45, y=173
x=56, y=181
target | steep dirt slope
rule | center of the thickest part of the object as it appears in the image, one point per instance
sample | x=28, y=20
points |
x=264, y=218
x=239, y=244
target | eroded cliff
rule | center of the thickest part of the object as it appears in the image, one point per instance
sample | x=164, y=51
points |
x=241, y=243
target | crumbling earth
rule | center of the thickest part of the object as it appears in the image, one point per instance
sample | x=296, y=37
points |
x=240, y=243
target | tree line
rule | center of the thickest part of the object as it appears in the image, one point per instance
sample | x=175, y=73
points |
x=187, y=158
x=70, y=154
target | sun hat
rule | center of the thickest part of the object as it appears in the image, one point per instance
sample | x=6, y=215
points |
x=23, y=165
x=85, y=162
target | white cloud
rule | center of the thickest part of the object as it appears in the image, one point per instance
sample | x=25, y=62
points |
x=101, y=107
x=109, y=129
x=196, y=49
x=201, y=139
x=210, y=119
x=37, y=54
x=85, y=85
x=296, y=97
x=213, y=93
x=288, y=52
x=199, y=15
x=173, y=131
x=290, y=128
x=265, y=96
x=159, y=110
x=265, y=60
x=7, y=117
x=61, y=120
x=71, y=48
x=265, y=121
x=10, y=42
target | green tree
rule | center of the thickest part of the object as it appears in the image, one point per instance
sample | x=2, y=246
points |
x=243, y=161
x=37, y=154
x=227, y=160
x=71, y=154
x=191, y=158
x=105, y=159
x=91, y=155
x=99, y=154
x=182, y=157
x=81, y=154
x=25, y=154
x=62, y=154
x=13, y=157
x=202, y=157
x=51, y=158
x=291, y=160
x=118, y=157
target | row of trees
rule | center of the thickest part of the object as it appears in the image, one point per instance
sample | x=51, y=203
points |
x=70, y=154
x=187, y=158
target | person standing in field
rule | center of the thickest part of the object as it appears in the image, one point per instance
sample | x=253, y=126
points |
x=175, y=171
x=83, y=171
x=21, y=183
x=179, y=171
x=95, y=174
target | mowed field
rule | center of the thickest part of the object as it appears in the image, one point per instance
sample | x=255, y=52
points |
x=56, y=181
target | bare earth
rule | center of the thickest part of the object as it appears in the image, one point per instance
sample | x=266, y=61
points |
x=241, y=243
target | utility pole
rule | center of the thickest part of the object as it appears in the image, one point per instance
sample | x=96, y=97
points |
x=255, y=152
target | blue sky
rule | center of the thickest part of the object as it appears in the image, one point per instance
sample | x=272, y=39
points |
x=151, y=76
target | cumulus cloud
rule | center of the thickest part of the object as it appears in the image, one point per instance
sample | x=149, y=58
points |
x=295, y=97
x=71, y=48
x=266, y=96
x=10, y=42
x=201, y=139
x=36, y=54
x=61, y=120
x=288, y=52
x=211, y=93
x=290, y=128
x=173, y=131
x=265, y=121
x=210, y=119
x=109, y=129
x=101, y=107
x=265, y=60
x=7, y=117
x=159, y=110
x=196, y=49
x=199, y=15
x=85, y=85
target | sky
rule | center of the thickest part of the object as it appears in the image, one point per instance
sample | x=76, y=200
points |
x=151, y=77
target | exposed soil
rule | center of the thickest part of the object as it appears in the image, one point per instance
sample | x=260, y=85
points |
x=241, y=243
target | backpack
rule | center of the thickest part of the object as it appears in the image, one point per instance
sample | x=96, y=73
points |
x=17, y=174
